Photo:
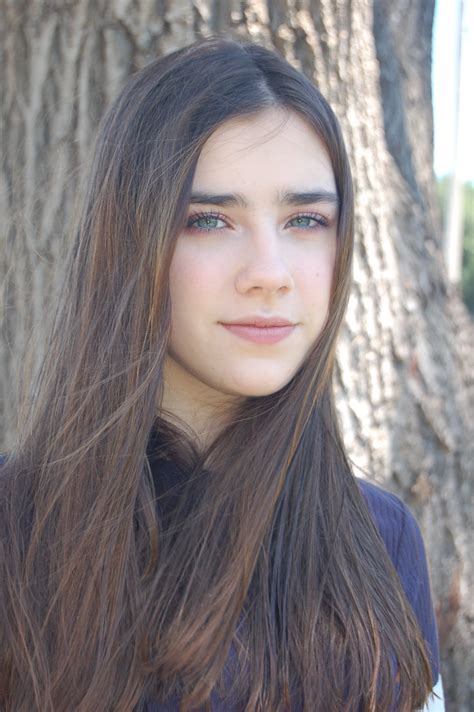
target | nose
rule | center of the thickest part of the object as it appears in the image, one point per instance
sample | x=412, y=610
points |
x=264, y=268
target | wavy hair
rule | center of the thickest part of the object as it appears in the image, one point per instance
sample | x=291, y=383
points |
x=104, y=604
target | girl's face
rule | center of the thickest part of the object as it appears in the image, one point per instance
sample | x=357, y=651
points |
x=260, y=241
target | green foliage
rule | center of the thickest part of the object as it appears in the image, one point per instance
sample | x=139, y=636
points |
x=467, y=282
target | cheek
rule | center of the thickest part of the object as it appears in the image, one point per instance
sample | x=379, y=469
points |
x=315, y=276
x=194, y=280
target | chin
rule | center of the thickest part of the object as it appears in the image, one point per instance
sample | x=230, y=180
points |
x=258, y=387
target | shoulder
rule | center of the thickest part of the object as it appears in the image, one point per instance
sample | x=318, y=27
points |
x=403, y=540
x=392, y=517
x=400, y=533
x=397, y=526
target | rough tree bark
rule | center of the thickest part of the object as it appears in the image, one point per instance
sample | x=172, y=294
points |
x=404, y=376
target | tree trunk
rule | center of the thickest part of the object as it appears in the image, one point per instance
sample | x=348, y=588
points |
x=404, y=375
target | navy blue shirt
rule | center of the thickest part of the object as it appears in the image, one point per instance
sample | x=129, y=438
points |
x=401, y=535
x=402, y=538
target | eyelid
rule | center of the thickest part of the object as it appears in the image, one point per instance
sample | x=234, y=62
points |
x=198, y=215
x=311, y=214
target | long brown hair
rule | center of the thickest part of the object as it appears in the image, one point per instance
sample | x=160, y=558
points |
x=273, y=551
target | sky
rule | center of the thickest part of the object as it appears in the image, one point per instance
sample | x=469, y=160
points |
x=444, y=87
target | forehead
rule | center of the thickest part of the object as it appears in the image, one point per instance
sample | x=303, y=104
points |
x=275, y=146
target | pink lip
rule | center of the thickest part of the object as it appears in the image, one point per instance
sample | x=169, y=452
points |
x=260, y=334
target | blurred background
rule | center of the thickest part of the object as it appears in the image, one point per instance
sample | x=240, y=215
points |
x=404, y=378
x=453, y=109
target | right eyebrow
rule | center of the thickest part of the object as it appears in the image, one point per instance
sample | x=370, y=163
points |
x=289, y=198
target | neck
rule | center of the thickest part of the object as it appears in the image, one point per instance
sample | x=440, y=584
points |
x=188, y=402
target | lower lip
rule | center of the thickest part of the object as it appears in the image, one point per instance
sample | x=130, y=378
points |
x=260, y=334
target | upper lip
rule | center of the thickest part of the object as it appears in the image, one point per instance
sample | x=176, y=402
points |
x=261, y=321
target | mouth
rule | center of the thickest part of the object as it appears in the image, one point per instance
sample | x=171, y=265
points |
x=268, y=334
x=261, y=320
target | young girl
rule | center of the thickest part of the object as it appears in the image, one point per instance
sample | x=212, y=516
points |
x=180, y=526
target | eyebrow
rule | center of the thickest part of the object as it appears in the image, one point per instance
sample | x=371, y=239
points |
x=287, y=198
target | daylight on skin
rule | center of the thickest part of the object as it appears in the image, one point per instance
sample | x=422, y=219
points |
x=261, y=253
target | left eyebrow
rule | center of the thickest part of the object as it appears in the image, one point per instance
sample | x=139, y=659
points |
x=289, y=198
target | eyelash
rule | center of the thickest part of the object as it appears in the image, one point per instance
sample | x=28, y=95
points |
x=322, y=222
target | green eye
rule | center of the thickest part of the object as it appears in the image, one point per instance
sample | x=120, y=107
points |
x=303, y=221
x=205, y=222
